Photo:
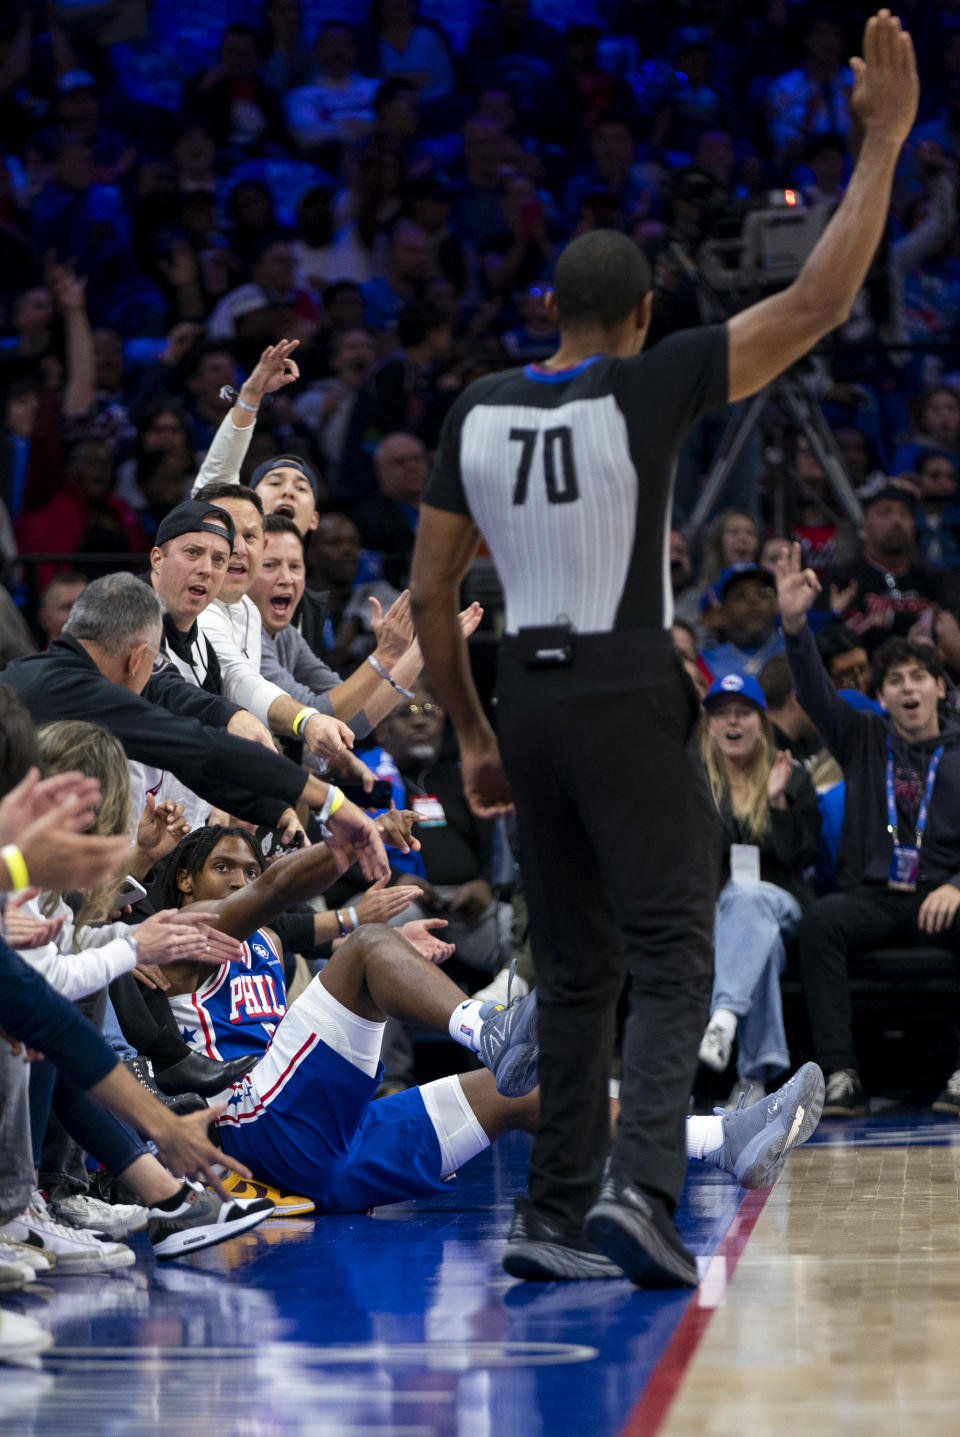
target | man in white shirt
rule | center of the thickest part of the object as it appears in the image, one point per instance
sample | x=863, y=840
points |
x=338, y=105
x=233, y=626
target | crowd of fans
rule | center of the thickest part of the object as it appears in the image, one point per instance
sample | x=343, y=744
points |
x=246, y=270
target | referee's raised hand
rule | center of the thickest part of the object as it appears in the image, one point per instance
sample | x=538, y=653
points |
x=886, y=87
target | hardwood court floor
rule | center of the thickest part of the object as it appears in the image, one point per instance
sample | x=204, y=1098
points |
x=843, y=1315
x=830, y=1305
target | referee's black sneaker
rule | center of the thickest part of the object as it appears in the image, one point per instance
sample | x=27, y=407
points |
x=634, y=1228
x=540, y=1251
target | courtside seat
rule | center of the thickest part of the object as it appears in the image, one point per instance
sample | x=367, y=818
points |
x=906, y=1010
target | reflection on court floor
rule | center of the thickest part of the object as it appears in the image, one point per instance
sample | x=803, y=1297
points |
x=818, y=1305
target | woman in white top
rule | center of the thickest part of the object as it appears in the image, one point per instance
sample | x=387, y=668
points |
x=85, y=953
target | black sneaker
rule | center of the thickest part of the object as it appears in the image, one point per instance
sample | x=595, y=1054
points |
x=202, y=1220
x=949, y=1100
x=635, y=1230
x=540, y=1251
x=844, y=1096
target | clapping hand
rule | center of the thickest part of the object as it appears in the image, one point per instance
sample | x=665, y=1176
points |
x=779, y=776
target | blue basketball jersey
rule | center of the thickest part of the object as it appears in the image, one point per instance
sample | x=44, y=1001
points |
x=236, y=1010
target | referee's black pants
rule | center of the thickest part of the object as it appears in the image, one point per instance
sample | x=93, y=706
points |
x=619, y=847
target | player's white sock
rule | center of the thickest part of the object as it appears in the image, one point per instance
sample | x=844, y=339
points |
x=466, y=1023
x=726, y=1020
x=704, y=1135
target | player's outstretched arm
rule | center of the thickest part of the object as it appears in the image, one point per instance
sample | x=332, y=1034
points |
x=300, y=876
x=768, y=337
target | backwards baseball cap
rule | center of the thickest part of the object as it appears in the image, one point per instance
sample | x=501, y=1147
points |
x=734, y=572
x=740, y=686
x=284, y=461
x=192, y=517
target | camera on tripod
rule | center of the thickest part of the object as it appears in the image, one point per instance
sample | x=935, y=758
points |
x=746, y=248
x=743, y=251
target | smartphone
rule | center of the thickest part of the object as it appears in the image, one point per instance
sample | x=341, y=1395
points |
x=269, y=841
x=380, y=796
x=129, y=892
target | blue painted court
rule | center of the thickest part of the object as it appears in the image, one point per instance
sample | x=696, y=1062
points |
x=397, y=1323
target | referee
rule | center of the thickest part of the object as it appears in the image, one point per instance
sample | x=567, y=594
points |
x=566, y=470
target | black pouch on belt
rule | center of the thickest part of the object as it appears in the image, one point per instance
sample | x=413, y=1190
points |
x=551, y=646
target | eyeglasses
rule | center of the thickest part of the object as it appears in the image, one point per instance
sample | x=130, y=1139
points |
x=411, y=710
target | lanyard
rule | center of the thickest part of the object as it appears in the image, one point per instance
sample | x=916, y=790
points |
x=925, y=803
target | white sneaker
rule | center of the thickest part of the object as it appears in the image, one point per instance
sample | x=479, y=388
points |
x=502, y=988
x=14, y=1276
x=75, y=1251
x=23, y=1252
x=104, y=1219
x=21, y=1336
x=715, y=1048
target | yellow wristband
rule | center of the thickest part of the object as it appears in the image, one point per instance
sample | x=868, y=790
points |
x=339, y=798
x=300, y=718
x=17, y=867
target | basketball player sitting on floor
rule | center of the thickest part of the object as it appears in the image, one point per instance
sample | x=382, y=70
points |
x=304, y=1118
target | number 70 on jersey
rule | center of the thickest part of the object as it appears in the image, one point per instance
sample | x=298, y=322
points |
x=553, y=459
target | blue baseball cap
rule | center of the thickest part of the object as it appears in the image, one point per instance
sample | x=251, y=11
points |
x=860, y=701
x=743, y=570
x=736, y=686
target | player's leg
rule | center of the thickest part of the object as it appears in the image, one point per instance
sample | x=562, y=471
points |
x=376, y=974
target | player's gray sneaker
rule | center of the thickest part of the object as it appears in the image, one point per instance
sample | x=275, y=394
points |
x=202, y=1220
x=510, y=1045
x=756, y=1140
x=542, y=1252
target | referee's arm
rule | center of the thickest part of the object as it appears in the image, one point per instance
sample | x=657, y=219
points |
x=446, y=546
x=768, y=337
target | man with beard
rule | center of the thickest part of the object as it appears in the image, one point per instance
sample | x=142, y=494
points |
x=884, y=591
x=748, y=604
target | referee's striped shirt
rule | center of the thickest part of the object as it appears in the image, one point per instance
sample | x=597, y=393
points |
x=568, y=474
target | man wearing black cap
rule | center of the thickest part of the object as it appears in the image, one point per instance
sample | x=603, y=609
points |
x=885, y=589
x=187, y=565
x=748, y=601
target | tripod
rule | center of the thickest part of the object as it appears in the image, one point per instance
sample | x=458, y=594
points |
x=803, y=412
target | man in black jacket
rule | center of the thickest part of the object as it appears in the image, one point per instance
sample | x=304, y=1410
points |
x=885, y=588
x=899, y=860
x=99, y=670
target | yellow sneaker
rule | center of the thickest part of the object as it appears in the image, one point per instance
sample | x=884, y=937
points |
x=285, y=1204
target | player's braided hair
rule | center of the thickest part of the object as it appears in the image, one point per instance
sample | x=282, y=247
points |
x=191, y=853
